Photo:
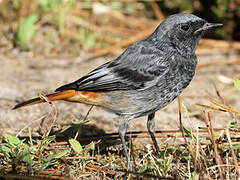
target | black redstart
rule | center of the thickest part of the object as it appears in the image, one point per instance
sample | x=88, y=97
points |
x=146, y=77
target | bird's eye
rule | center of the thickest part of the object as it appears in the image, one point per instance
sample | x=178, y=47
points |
x=185, y=27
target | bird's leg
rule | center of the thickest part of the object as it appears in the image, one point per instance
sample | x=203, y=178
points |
x=122, y=131
x=151, y=129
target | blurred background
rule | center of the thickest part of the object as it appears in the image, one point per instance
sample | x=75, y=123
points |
x=69, y=27
x=47, y=43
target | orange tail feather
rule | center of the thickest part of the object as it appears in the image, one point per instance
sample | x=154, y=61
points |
x=51, y=97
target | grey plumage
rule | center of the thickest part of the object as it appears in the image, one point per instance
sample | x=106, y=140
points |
x=149, y=74
x=146, y=77
x=153, y=71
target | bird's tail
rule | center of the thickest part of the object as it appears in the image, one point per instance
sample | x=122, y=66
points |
x=51, y=97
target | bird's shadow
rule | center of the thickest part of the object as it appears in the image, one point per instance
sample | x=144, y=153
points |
x=86, y=134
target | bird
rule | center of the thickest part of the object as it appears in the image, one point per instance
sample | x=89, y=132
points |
x=146, y=77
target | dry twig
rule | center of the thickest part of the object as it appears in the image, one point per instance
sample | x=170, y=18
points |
x=227, y=108
x=217, y=156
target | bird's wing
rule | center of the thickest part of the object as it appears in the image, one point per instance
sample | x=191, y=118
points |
x=136, y=68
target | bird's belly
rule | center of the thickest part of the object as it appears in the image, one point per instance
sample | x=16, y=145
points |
x=144, y=102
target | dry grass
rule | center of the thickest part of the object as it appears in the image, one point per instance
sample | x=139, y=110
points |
x=210, y=153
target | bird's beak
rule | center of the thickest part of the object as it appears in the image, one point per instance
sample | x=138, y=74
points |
x=208, y=26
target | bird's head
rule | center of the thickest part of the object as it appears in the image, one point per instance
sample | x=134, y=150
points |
x=183, y=31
